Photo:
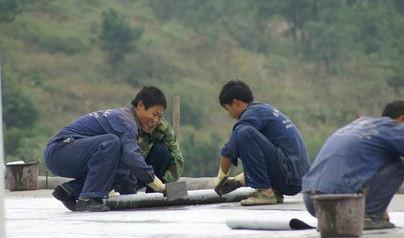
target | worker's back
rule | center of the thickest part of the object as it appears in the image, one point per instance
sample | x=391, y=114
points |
x=353, y=154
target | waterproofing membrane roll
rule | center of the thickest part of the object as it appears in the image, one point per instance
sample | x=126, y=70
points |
x=275, y=223
x=195, y=197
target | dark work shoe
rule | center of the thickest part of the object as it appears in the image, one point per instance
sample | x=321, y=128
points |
x=61, y=194
x=92, y=205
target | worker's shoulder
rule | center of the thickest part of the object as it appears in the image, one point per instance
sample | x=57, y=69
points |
x=263, y=110
x=121, y=116
x=383, y=124
x=260, y=106
x=123, y=113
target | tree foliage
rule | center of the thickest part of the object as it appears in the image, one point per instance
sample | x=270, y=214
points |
x=318, y=61
x=19, y=108
x=117, y=37
x=9, y=8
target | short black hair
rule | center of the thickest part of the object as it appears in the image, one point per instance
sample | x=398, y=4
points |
x=235, y=89
x=394, y=109
x=150, y=96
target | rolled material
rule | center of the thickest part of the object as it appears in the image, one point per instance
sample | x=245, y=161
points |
x=192, y=183
x=276, y=223
x=195, y=197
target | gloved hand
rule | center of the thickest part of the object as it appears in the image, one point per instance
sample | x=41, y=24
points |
x=230, y=184
x=240, y=179
x=221, y=176
x=157, y=185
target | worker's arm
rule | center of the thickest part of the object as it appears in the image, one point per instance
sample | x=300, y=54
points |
x=120, y=124
x=223, y=183
x=250, y=118
x=230, y=155
x=225, y=164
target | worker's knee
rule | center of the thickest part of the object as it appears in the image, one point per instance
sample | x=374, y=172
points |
x=110, y=147
x=159, y=157
x=160, y=149
x=110, y=142
x=246, y=133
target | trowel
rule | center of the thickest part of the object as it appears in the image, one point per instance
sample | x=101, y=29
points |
x=175, y=190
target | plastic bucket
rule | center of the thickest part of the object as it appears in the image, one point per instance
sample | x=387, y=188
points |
x=22, y=176
x=340, y=215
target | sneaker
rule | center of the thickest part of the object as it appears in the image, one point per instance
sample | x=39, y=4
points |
x=375, y=223
x=279, y=196
x=259, y=198
x=61, y=194
x=92, y=205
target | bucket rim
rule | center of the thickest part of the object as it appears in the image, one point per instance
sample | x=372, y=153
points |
x=34, y=162
x=336, y=196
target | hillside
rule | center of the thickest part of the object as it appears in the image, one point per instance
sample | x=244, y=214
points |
x=320, y=66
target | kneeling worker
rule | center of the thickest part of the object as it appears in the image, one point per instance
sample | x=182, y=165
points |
x=267, y=142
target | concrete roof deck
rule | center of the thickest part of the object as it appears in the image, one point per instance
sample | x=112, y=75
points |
x=38, y=214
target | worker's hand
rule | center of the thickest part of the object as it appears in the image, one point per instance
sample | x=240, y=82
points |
x=157, y=185
x=230, y=184
x=219, y=180
x=220, y=177
x=240, y=179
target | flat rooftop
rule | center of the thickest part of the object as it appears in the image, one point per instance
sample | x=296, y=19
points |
x=37, y=214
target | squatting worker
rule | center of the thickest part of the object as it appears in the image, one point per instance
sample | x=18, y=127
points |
x=268, y=144
x=362, y=157
x=102, y=151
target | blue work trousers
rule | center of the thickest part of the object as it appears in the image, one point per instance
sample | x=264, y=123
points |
x=265, y=165
x=159, y=158
x=91, y=161
x=380, y=189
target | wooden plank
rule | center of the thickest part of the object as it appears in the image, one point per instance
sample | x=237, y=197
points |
x=2, y=170
x=176, y=117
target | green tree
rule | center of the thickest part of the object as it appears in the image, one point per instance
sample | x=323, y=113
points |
x=117, y=37
x=297, y=13
x=201, y=155
x=20, y=114
x=9, y=8
x=19, y=108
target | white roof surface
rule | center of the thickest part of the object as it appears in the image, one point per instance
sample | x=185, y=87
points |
x=37, y=214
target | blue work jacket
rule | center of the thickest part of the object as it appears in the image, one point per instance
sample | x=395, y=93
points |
x=353, y=154
x=120, y=122
x=278, y=129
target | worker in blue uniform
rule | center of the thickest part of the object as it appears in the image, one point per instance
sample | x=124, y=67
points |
x=362, y=157
x=267, y=142
x=100, y=151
